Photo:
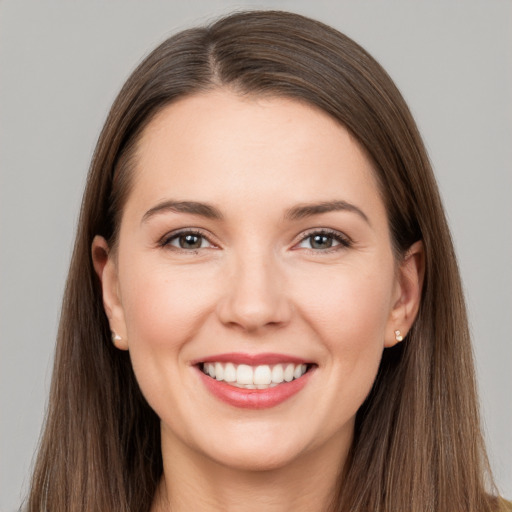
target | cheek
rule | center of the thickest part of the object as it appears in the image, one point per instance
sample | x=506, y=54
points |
x=350, y=306
x=349, y=311
x=163, y=305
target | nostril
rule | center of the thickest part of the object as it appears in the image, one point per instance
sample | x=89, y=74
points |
x=254, y=313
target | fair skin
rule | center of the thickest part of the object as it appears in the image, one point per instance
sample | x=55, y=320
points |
x=255, y=274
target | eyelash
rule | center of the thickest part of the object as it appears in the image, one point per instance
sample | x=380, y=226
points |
x=343, y=241
x=167, y=239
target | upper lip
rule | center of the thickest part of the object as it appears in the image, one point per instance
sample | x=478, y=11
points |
x=251, y=359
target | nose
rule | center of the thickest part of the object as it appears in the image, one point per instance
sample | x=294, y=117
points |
x=254, y=295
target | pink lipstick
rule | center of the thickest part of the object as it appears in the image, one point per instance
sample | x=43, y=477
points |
x=254, y=381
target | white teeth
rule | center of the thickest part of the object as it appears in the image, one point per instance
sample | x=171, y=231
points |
x=219, y=371
x=288, y=373
x=277, y=374
x=254, y=377
x=262, y=375
x=299, y=371
x=229, y=373
x=244, y=374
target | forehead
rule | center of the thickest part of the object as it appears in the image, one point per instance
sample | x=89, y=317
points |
x=218, y=145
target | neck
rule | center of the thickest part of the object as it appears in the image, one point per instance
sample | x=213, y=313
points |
x=193, y=482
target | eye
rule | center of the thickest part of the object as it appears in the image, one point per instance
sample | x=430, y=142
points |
x=324, y=240
x=187, y=240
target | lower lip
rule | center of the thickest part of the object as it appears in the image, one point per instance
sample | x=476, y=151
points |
x=254, y=398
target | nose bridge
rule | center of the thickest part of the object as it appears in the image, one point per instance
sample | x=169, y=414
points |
x=255, y=295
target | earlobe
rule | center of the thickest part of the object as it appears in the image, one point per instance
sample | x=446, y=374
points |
x=409, y=287
x=105, y=268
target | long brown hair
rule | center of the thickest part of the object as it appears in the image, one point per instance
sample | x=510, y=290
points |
x=417, y=445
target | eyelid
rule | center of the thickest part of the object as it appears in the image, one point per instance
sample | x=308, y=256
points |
x=165, y=240
x=344, y=240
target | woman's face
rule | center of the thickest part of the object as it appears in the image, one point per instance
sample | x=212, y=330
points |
x=254, y=246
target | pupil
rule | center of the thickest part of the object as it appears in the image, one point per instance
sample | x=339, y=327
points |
x=321, y=242
x=190, y=241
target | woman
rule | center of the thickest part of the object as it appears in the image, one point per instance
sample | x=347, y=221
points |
x=263, y=309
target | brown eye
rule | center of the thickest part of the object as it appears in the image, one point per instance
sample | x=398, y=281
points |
x=324, y=240
x=188, y=241
x=321, y=241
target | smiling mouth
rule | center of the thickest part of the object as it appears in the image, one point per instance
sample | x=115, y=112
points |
x=254, y=377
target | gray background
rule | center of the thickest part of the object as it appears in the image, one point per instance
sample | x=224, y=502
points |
x=62, y=63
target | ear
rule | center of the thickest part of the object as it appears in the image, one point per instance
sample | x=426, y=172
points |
x=106, y=270
x=408, y=294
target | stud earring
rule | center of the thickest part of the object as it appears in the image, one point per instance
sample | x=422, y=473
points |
x=398, y=335
x=115, y=338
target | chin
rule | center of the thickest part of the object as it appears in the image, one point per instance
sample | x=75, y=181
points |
x=255, y=459
x=250, y=452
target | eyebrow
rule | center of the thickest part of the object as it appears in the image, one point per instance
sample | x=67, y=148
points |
x=193, y=207
x=309, y=210
x=211, y=212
